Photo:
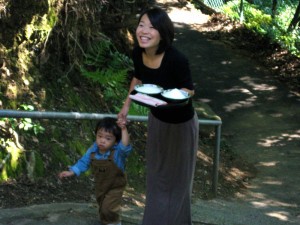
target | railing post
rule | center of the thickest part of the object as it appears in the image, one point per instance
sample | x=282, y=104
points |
x=216, y=159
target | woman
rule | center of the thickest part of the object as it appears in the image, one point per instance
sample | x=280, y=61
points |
x=172, y=139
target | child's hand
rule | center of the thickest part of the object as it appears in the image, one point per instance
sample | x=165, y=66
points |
x=125, y=136
x=65, y=174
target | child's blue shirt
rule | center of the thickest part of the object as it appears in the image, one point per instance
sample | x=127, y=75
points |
x=121, y=153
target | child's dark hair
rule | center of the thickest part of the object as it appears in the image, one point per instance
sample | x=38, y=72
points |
x=109, y=125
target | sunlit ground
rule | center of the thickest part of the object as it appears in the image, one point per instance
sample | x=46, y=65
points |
x=189, y=16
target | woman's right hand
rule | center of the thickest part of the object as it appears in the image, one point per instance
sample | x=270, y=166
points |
x=122, y=116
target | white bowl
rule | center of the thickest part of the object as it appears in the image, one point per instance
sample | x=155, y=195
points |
x=150, y=89
x=175, y=95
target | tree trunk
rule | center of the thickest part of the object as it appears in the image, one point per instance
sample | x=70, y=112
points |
x=242, y=11
x=295, y=19
x=274, y=8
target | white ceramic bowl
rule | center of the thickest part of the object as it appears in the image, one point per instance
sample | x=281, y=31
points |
x=150, y=89
x=175, y=95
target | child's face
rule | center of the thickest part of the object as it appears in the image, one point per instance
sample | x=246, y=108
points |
x=105, y=140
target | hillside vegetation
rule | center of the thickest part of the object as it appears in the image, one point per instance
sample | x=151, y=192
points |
x=44, y=50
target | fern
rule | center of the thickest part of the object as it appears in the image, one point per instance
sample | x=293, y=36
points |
x=105, y=76
x=109, y=68
x=98, y=53
x=104, y=64
x=105, y=55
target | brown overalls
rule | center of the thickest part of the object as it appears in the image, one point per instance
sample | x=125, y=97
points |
x=110, y=182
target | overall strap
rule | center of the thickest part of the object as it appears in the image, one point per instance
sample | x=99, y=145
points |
x=111, y=155
x=92, y=156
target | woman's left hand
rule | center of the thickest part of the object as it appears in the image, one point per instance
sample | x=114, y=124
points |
x=190, y=92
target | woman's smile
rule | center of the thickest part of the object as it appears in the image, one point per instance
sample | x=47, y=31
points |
x=144, y=39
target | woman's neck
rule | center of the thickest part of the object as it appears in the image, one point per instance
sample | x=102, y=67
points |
x=151, y=52
x=151, y=59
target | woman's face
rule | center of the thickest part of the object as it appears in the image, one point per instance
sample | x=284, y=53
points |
x=147, y=36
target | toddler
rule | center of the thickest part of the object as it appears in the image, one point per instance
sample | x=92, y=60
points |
x=106, y=157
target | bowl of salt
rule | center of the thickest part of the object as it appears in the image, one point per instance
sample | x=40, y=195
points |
x=175, y=95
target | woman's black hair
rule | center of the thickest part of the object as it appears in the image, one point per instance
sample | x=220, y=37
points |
x=163, y=24
x=109, y=125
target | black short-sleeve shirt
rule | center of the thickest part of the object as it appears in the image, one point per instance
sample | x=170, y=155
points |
x=174, y=72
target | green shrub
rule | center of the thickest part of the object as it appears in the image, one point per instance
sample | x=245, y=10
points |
x=258, y=18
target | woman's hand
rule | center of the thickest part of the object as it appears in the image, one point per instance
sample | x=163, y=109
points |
x=190, y=92
x=122, y=116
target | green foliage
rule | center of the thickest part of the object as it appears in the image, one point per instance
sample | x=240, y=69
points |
x=231, y=9
x=11, y=160
x=27, y=124
x=51, y=15
x=284, y=16
x=255, y=19
x=109, y=68
x=39, y=170
x=279, y=32
x=135, y=165
x=105, y=77
x=258, y=19
x=138, y=110
x=104, y=56
x=24, y=124
x=12, y=152
x=79, y=147
x=40, y=26
x=59, y=156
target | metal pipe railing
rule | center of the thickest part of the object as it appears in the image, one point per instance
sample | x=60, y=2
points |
x=4, y=113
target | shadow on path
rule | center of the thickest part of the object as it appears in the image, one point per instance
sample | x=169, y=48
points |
x=261, y=121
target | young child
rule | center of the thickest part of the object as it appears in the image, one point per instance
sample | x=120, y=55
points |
x=106, y=157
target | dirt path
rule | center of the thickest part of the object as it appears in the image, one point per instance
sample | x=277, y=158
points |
x=261, y=121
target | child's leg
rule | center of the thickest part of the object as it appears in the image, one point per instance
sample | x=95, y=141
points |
x=111, y=206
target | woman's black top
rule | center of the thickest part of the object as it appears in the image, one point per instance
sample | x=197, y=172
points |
x=174, y=72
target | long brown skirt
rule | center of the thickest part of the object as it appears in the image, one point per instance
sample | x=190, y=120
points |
x=170, y=160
